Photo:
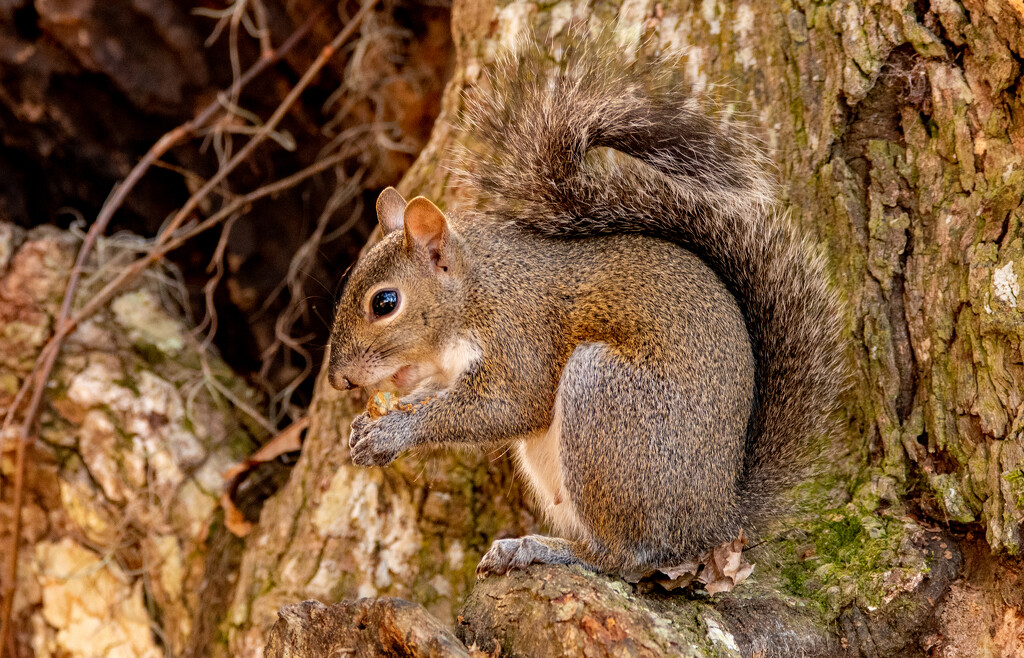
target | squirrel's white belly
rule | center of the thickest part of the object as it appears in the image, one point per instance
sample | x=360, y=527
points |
x=540, y=460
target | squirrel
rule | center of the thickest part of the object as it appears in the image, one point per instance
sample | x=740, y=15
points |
x=627, y=308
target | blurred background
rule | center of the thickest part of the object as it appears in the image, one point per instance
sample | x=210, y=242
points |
x=88, y=86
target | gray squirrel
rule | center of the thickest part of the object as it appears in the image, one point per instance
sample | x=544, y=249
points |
x=627, y=308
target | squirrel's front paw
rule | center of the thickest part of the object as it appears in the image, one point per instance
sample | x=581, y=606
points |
x=378, y=442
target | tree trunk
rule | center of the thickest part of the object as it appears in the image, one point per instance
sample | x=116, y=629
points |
x=898, y=129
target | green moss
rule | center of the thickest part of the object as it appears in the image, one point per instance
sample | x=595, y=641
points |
x=1016, y=480
x=839, y=547
x=841, y=559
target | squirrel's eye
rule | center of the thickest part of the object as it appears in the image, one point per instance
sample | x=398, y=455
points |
x=384, y=302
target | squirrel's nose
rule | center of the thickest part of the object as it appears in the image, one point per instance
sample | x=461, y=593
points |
x=341, y=383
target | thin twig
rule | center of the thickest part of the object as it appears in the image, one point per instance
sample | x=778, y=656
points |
x=164, y=144
x=297, y=298
x=159, y=250
x=44, y=366
x=325, y=55
x=132, y=271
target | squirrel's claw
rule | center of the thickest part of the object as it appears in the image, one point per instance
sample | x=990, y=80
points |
x=503, y=555
x=507, y=554
x=359, y=424
x=376, y=442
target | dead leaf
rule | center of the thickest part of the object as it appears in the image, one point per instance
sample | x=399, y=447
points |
x=719, y=569
x=724, y=566
x=677, y=577
x=234, y=520
x=288, y=440
x=687, y=568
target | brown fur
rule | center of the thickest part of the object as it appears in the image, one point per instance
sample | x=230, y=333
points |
x=680, y=328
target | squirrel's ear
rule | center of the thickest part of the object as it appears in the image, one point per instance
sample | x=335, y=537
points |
x=390, y=208
x=426, y=230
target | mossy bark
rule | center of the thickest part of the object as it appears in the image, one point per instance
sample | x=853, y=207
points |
x=898, y=130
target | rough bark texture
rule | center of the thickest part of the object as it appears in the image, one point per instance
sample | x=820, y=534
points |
x=121, y=526
x=898, y=129
x=336, y=532
x=123, y=550
x=546, y=612
x=366, y=628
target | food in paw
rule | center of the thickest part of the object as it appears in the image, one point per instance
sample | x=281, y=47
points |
x=382, y=403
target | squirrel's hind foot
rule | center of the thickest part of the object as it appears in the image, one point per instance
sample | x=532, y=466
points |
x=507, y=554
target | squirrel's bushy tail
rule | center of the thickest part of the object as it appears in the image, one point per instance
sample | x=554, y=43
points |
x=691, y=178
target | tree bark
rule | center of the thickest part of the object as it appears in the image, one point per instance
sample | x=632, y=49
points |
x=898, y=129
x=363, y=628
x=121, y=532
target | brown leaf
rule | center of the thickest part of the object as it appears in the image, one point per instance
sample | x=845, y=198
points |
x=725, y=567
x=288, y=440
x=679, y=576
x=234, y=520
x=687, y=568
x=671, y=584
x=719, y=569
